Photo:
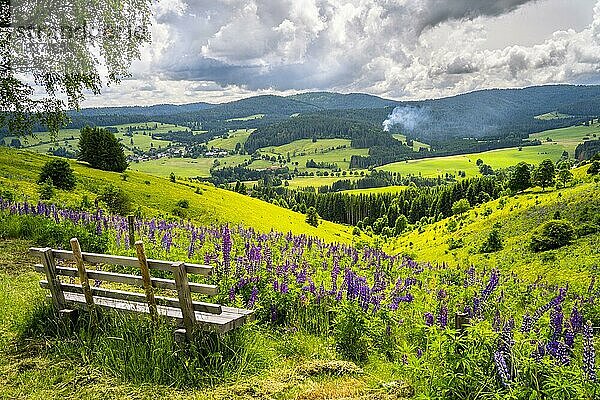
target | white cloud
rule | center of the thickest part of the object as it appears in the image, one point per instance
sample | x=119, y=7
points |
x=395, y=48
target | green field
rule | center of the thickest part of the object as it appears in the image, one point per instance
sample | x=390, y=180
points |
x=386, y=189
x=156, y=195
x=416, y=145
x=503, y=158
x=551, y=115
x=331, y=151
x=185, y=167
x=248, y=118
x=570, y=137
x=232, y=139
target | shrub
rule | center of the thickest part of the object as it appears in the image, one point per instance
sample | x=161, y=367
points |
x=455, y=243
x=493, y=242
x=59, y=172
x=183, y=203
x=594, y=169
x=460, y=207
x=116, y=200
x=46, y=190
x=552, y=235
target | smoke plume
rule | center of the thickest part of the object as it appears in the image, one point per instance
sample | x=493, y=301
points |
x=406, y=117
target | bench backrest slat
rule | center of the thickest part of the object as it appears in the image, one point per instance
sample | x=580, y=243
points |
x=133, y=280
x=137, y=297
x=93, y=258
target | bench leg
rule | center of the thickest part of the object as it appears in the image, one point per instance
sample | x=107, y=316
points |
x=67, y=317
x=180, y=336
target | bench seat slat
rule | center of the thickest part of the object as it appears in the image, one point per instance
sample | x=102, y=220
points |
x=136, y=297
x=94, y=258
x=159, y=283
x=222, y=323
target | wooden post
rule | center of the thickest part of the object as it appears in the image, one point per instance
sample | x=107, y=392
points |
x=185, y=298
x=139, y=247
x=461, y=320
x=58, y=298
x=131, y=227
x=83, y=276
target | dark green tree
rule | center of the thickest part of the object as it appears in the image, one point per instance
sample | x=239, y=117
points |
x=594, y=169
x=545, y=174
x=520, y=177
x=493, y=242
x=312, y=218
x=60, y=174
x=101, y=149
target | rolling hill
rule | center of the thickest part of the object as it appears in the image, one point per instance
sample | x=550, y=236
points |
x=159, y=196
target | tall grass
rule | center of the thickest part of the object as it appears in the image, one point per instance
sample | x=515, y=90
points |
x=135, y=349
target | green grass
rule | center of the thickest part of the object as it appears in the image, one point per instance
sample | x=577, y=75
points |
x=331, y=151
x=386, y=189
x=517, y=217
x=569, y=138
x=185, y=167
x=155, y=195
x=503, y=158
x=248, y=118
x=41, y=142
x=551, y=115
x=232, y=139
x=565, y=139
x=416, y=145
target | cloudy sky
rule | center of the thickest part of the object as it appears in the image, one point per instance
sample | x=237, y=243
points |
x=222, y=50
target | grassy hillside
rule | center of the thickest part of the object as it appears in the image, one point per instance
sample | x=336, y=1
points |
x=517, y=217
x=155, y=195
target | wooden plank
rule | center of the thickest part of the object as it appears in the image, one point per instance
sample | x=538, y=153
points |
x=133, y=280
x=216, y=323
x=185, y=298
x=138, y=297
x=94, y=258
x=83, y=276
x=131, y=228
x=141, y=254
x=58, y=298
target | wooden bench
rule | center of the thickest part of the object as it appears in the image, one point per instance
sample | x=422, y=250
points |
x=190, y=314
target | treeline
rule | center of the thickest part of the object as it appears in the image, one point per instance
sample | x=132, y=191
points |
x=381, y=155
x=318, y=126
x=378, y=179
x=225, y=175
x=383, y=210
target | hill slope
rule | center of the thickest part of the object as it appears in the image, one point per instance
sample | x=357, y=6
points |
x=155, y=196
x=517, y=217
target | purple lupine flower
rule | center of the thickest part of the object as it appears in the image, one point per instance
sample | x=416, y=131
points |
x=589, y=352
x=428, y=319
x=419, y=352
x=226, y=234
x=253, y=297
x=506, y=340
x=576, y=320
x=562, y=293
x=527, y=323
x=569, y=338
x=502, y=368
x=556, y=322
x=442, y=318
x=497, y=322
x=441, y=294
x=491, y=286
x=232, y=294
